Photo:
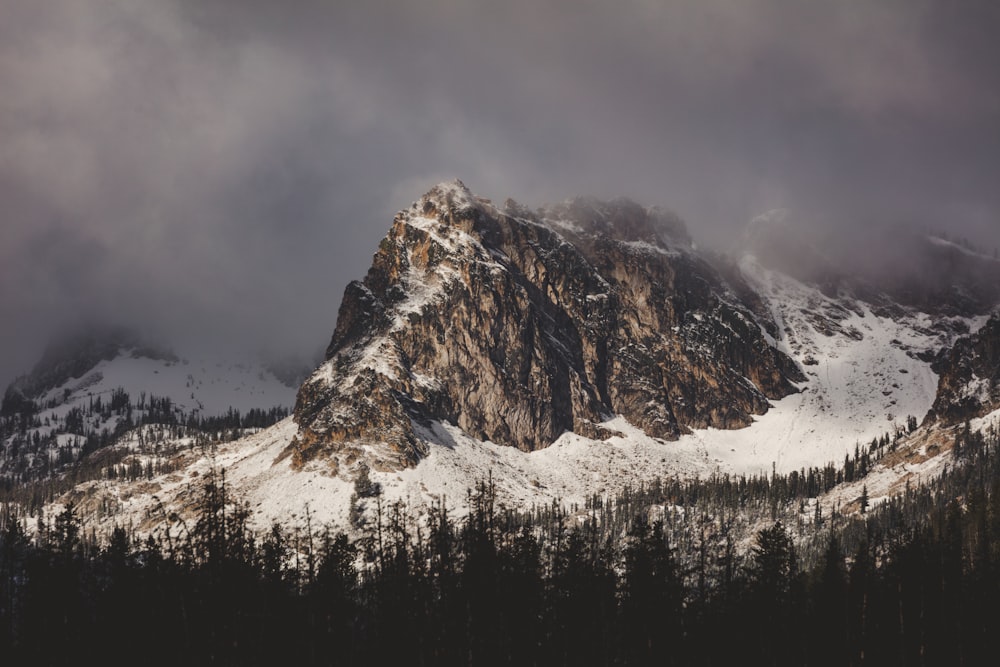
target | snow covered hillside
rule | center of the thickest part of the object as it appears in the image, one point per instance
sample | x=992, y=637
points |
x=71, y=406
x=208, y=387
x=867, y=373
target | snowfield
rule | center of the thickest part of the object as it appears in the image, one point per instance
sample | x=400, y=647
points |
x=863, y=380
x=210, y=387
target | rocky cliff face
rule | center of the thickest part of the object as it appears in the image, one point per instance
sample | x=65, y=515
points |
x=518, y=326
x=969, y=384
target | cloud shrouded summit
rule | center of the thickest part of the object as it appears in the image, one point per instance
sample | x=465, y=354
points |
x=221, y=169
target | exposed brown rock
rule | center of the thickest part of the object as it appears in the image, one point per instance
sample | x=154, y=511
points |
x=969, y=383
x=520, y=326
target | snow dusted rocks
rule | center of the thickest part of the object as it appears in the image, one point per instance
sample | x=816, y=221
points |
x=519, y=326
x=969, y=386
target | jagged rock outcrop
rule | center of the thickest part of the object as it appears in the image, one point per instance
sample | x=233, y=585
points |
x=969, y=383
x=518, y=326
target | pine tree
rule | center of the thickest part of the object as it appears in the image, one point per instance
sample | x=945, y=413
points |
x=67, y=532
x=773, y=575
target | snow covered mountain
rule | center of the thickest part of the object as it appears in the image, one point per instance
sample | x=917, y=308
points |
x=102, y=386
x=576, y=350
x=518, y=327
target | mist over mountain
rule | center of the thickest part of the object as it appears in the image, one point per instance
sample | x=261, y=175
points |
x=225, y=168
x=930, y=269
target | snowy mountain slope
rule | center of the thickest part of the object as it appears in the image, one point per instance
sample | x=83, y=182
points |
x=76, y=401
x=209, y=387
x=865, y=372
x=919, y=458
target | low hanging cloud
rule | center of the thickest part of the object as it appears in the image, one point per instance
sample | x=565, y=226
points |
x=220, y=169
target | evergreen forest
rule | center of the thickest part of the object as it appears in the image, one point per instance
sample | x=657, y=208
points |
x=674, y=573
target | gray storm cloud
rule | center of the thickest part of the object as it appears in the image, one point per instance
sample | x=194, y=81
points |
x=222, y=169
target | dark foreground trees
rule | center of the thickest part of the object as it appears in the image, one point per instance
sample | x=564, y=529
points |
x=912, y=582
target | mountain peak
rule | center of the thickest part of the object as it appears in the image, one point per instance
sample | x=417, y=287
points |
x=620, y=219
x=447, y=200
x=519, y=327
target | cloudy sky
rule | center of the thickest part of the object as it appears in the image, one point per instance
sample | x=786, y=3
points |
x=222, y=168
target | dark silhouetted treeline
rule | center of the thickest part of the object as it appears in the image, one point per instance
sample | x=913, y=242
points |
x=912, y=582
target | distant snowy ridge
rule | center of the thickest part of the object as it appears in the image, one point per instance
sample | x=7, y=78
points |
x=78, y=401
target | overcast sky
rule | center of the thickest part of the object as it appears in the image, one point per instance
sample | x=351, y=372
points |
x=223, y=168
